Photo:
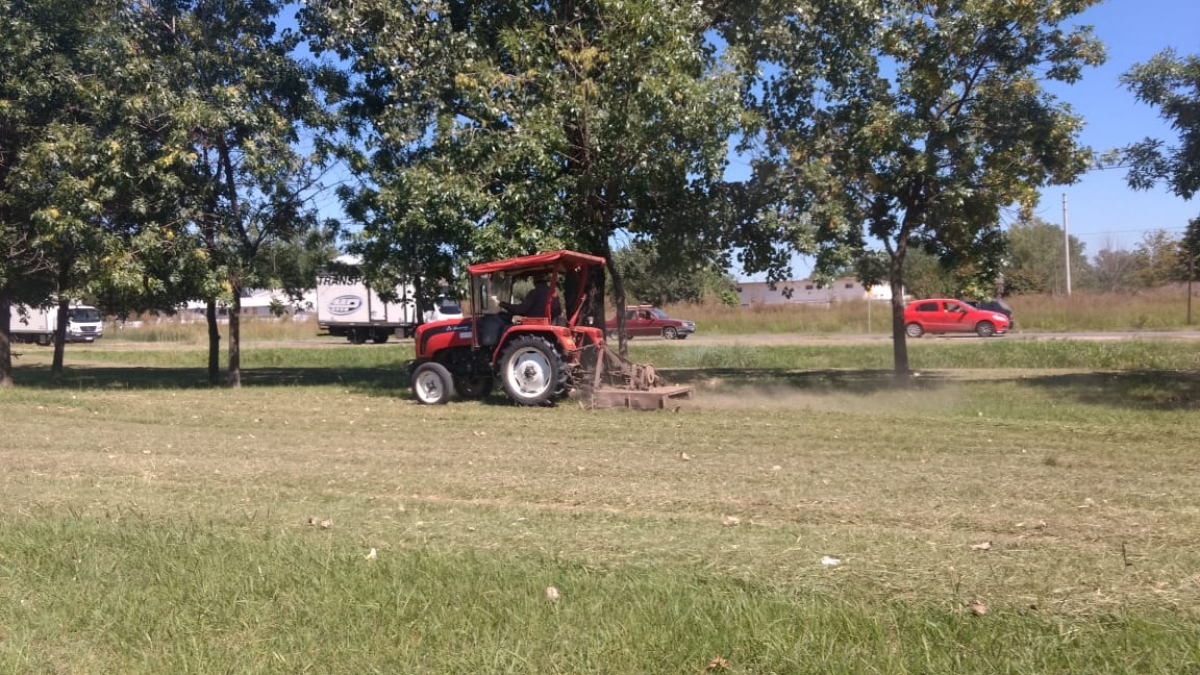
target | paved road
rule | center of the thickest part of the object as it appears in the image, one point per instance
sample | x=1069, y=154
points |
x=832, y=339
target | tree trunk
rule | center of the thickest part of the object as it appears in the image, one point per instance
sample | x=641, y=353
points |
x=896, y=281
x=235, y=280
x=899, y=337
x=235, y=335
x=6, y=355
x=619, y=300
x=418, y=297
x=60, y=337
x=214, y=341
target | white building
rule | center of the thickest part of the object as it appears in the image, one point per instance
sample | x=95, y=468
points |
x=809, y=292
x=256, y=304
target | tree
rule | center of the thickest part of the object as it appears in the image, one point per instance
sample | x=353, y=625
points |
x=1172, y=84
x=915, y=123
x=489, y=129
x=240, y=99
x=1035, y=261
x=1116, y=268
x=652, y=277
x=60, y=153
x=1189, y=252
x=1159, y=260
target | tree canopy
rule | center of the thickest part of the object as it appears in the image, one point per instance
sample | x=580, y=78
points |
x=913, y=124
x=489, y=129
x=1170, y=83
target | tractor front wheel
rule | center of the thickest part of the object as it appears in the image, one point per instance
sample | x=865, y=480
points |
x=532, y=371
x=432, y=384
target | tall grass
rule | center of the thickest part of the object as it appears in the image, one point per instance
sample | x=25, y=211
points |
x=1156, y=309
x=170, y=330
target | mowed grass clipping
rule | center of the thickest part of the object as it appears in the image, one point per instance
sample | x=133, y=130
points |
x=983, y=520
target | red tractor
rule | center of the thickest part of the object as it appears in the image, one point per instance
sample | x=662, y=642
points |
x=551, y=350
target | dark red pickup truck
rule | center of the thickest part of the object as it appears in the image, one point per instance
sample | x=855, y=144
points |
x=647, y=320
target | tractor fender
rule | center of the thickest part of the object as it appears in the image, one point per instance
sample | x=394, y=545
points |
x=559, y=336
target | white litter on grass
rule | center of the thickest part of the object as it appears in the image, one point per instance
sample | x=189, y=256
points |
x=371, y=555
x=552, y=593
x=830, y=561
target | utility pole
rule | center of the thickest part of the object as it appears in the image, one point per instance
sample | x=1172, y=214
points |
x=1066, y=246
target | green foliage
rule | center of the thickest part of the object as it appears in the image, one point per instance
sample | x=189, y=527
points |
x=653, y=277
x=70, y=163
x=1189, y=249
x=1170, y=83
x=913, y=124
x=239, y=101
x=488, y=129
x=1159, y=259
x=1035, y=261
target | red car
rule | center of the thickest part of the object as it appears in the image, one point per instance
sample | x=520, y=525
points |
x=647, y=320
x=943, y=315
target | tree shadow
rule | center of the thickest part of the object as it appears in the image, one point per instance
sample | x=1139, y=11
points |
x=859, y=382
x=1164, y=390
x=372, y=381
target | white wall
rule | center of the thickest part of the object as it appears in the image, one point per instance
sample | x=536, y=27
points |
x=806, y=291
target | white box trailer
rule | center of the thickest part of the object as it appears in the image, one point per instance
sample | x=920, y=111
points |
x=37, y=324
x=346, y=306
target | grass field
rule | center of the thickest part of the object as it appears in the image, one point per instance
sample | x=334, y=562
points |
x=1024, y=507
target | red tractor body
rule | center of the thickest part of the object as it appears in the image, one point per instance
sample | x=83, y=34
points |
x=554, y=350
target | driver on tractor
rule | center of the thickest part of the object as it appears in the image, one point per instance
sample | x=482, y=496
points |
x=535, y=302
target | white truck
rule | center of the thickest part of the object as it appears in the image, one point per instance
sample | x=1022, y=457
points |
x=347, y=306
x=37, y=324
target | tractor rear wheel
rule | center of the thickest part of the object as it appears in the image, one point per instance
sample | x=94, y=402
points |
x=532, y=371
x=432, y=384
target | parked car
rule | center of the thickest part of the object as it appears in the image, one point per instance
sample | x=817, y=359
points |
x=644, y=320
x=444, y=308
x=996, y=305
x=944, y=315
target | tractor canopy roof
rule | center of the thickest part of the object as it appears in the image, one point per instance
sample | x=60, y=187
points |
x=553, y=260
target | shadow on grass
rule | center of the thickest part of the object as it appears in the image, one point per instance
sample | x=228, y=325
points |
x=1138, y=390
x=861, y=382
x=1133, y=389
x=373, y=381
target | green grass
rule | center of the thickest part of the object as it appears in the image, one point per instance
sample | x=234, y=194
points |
x=237, y=597
x=151, y=524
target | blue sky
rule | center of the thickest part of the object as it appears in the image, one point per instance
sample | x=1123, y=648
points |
x=1101, y=209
